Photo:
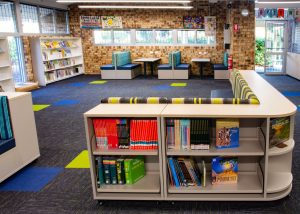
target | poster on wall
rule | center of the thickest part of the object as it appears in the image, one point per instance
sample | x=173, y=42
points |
x=111, y=22
x=210, y=23
x=90, y=22
x=193, y=22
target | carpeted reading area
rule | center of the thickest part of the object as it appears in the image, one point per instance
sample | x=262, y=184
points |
x=67, y=185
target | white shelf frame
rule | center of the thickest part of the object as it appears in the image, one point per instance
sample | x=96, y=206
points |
x=38, y=58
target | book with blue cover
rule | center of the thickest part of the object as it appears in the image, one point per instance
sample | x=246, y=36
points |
x=227, y=133
x=224, y=170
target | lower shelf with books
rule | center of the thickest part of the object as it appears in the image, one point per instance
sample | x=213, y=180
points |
x=194, y=175
x=150, y=183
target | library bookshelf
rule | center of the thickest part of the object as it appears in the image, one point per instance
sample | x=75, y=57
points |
x=264, y=173
x=6, y=76
x=149, y=187
x=56, y=58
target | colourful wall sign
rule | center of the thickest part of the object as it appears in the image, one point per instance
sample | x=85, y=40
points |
x=90, y=22
x=111, y=22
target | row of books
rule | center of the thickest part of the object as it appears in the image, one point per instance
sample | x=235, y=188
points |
x=56, y=44
x=185, y=172
x=188, y=134
x=58, y=74
x=136, y=134
x=122, y=170
x=54, y=54
x=56, y=64
x=184, y=134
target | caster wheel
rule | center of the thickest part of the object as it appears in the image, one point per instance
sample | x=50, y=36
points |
x=100, y=203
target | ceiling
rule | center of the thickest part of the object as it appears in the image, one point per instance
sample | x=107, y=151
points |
x=53, y=3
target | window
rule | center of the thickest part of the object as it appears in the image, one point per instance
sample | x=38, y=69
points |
x=30, y=20
x=17, y=58
x=62, y=23
x=7, y=17
x=163, y=37
x=153, y=37
x=122, y=37
x=47, y=20
x=202, y=39
x=103, y=37
x=143, y=36
x=296, y=43
x=186, y=37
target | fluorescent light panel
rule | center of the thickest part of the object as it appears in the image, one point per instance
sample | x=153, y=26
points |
x=125, y=1
x=132, y=7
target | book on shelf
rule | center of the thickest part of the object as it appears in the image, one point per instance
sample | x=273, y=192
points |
x=134, y=134
x=203, y=171
x=224, y=170
x=134, y=169
x=55, y=54
x=183, y=172
x=143, y=134
x=100, y=171
x=227, y=133
x=112, y=170
x=184, y=134
x=279, y=131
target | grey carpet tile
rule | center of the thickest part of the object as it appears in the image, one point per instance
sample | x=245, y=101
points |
x=62, y=137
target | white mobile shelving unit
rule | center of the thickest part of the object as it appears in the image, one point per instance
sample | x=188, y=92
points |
x=264, y=173
x=6, y=76
x=53, y=60
x=24, y=131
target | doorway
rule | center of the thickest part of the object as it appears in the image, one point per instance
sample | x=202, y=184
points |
x=276, y=37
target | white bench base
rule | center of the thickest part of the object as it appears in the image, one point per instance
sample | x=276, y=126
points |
x=221, y=74
x=173, y=74
x=120, y=74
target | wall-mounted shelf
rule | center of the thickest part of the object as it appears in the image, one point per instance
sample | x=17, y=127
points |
x=6, y=76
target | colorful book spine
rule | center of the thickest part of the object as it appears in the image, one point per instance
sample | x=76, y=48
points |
x=100, y=170
x=113, y=171
x=106, y=166
x=127, y=166
x=121, y=171
x=174, y=173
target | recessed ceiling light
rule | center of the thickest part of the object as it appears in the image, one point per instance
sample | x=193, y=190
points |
x=133, y=7
x=124, y=1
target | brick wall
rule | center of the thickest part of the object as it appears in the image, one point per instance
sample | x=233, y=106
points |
x=94, y=56
x=27, y=59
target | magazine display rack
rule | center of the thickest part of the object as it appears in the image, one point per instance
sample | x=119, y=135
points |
x=264, y=173
x=56, y=59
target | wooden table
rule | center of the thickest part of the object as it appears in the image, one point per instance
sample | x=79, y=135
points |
x=201, y=61
x=148, y=60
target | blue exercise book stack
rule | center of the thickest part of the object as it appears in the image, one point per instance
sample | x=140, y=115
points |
x=7, y=141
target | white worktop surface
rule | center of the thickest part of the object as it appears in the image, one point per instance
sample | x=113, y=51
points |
x=200, y=60
x=147, y=60
x=272, y=104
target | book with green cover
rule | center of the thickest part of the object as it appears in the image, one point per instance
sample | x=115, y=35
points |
x=121, y=171
x=279, y=130
x=100, y=170
x=134, y=169
x=106, y=166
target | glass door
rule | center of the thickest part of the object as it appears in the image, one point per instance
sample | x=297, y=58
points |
x=275, y=47
x=17, y=58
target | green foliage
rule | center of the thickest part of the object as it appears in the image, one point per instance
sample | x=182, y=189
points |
x=260, y=52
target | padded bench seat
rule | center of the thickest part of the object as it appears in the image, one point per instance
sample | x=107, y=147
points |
x=164, y=67
x=6, y=145
x=182, y=67
x=107, y=67
x=221, y=71
x=128, y=66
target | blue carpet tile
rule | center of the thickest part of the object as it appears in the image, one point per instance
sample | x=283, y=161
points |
x=30, y=179
x=66, y=103
x=162, y=87
x=78, y=84
x=291, y=93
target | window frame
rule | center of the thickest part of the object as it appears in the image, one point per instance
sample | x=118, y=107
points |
x=153, y=43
